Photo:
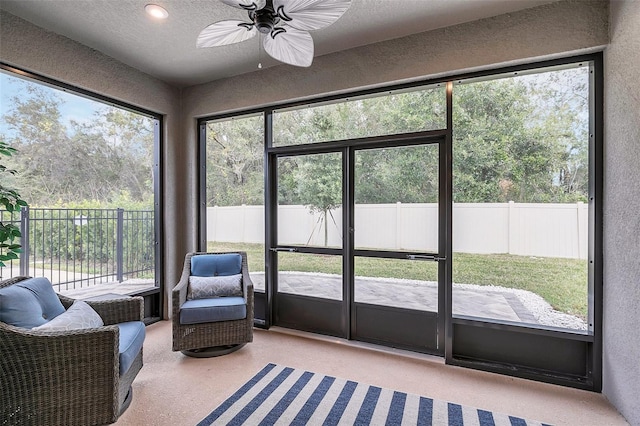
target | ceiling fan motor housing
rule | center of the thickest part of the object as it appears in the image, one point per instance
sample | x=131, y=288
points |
x=264, y=20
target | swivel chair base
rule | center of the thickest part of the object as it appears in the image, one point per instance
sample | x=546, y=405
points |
x=212, y=351
x=127, y=401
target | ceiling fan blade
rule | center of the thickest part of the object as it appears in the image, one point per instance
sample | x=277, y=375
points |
x=291, y=46
x=310, y=15
x=246, y=4
x=225, y=32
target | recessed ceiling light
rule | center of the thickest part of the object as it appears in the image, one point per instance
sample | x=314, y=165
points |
x=156, y=11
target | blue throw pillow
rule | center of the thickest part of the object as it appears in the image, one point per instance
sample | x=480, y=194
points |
x=29, y=303
x=213, y=265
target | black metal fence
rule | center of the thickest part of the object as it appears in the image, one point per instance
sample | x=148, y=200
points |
x=81, y=247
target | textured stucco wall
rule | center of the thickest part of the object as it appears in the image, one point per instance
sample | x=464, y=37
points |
x=621, y=361
x=29, y=47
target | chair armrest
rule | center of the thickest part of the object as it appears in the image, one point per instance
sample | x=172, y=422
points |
x=247, y=287
x=114, y=311
x=179, y=295
x=44, y=373
x=119, y=310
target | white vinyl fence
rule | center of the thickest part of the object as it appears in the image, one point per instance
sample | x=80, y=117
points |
x=545, y=230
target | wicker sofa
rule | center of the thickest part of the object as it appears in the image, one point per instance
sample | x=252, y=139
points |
x=207, y=335
x=70, y=377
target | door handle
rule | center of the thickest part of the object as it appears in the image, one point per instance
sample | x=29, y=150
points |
x=426, y=257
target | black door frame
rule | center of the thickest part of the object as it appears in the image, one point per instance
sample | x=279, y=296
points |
x=320, y=315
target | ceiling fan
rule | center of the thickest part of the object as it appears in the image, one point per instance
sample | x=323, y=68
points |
x=284, y=24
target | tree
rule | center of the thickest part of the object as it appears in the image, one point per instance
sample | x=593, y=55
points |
x=129, y=137
x=235, y=152
x=404, y=174
x=319, y=185
x=521, y=139
x=72, y=162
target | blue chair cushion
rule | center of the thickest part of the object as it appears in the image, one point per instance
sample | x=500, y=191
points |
x=212, y=265
x=216, y=309
x=29, y=303
x=131, y=339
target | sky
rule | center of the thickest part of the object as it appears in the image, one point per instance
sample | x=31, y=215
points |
x=72, y=107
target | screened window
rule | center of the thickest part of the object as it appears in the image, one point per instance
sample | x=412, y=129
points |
x=235, y=189
x=87, y=170
x=521, y=191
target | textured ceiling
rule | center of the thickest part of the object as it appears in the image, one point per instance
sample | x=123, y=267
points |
x=167, y=49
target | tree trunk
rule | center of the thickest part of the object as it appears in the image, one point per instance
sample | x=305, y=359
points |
x=326, y=230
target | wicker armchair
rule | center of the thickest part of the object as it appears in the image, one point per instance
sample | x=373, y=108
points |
x=211, y=338
x=67, y=377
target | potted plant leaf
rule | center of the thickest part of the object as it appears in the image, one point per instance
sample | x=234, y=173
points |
x=10, y=201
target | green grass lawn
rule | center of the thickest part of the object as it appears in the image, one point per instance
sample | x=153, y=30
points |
x=561, y=282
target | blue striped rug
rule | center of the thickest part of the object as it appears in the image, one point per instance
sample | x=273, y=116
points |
x=286, y=396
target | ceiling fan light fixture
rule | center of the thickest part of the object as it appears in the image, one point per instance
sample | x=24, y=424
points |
x=156, y=11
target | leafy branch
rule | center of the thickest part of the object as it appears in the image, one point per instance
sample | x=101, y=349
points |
x=11, y=201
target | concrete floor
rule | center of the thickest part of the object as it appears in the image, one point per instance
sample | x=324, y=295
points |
x=175, y=390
